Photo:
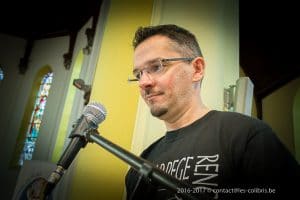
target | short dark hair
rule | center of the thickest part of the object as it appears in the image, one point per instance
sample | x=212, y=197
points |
x=184, y=41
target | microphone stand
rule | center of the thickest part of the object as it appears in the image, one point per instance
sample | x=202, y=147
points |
x=144, y=167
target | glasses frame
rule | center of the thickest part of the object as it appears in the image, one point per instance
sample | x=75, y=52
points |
x=162, y=60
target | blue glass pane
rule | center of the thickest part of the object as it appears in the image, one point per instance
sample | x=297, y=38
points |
x=1, y=74
x=47, y=79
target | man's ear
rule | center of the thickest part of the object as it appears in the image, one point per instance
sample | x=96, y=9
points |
x=199, y=68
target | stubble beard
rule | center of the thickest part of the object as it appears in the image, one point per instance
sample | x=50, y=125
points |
x=158, y=112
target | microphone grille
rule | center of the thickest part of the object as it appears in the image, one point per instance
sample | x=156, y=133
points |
x=95, y=112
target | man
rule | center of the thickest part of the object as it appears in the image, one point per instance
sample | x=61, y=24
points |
x=224, y=154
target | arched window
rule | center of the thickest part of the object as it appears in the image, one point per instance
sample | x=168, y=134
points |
x=36, y=118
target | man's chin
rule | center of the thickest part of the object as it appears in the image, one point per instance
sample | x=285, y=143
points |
x=158, y=112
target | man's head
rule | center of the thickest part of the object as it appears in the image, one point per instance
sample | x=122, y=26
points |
x=168, y=65
x=182, y=40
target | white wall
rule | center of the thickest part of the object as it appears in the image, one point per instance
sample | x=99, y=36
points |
x=215, y=24
x=12, y=49
x=87, y=73
x=16, y=88
x=50, y=52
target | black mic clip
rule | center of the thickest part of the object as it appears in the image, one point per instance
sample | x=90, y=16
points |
x=82, y=124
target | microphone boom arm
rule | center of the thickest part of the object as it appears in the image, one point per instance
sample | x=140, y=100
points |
x=144, y=167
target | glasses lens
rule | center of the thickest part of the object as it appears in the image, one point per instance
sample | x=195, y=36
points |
x=155, y=67
x=137, y=74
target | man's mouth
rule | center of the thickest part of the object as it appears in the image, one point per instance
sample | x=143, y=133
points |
x=152, y=96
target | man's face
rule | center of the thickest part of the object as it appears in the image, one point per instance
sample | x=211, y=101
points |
x=169, y=92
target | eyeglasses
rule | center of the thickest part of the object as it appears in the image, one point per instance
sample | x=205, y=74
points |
x=155, y=67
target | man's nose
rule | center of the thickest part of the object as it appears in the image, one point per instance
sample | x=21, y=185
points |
x=145, y=80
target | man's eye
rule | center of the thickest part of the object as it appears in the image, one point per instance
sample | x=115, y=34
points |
x=154, y=68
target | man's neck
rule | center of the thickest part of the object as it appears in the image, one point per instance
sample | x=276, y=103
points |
x=187, y=117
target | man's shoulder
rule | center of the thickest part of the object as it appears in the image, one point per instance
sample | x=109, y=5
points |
x=231, y=114
x=238, y=125
x=237, y=118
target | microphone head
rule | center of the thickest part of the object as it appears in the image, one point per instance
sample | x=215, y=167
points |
x=95, y=112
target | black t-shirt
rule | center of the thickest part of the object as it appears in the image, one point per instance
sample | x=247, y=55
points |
x=224, y=154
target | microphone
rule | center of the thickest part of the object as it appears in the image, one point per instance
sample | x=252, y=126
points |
x=93, y=114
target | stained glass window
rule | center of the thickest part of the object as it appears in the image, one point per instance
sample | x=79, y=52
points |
x=36, y=118
x=1, y=74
